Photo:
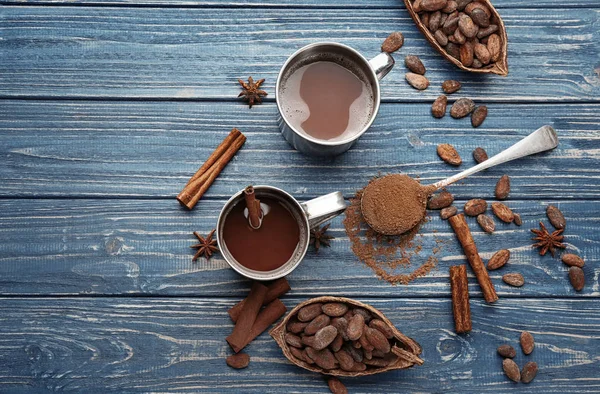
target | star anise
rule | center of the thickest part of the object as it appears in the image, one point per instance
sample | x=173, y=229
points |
x=318, y=237
x=251, y=92
x=206, y=246
x=548, y=241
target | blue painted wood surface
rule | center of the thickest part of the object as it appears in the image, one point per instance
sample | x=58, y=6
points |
x=108, y=106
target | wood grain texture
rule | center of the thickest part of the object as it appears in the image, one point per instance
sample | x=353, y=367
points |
x=166, y=53
x=177, y=345
x=151, y=149
x=142, y=247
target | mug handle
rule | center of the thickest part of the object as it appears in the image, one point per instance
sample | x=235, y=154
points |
x=382, y=64
x=321, y=209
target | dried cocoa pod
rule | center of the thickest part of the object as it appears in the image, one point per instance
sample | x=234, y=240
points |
x=466, y=26
x=383, y=327
x=336, y=387
x=323, y=358
x=518, y=220
x=479, y=115
x=414, y=64
x=356, y=326
x=393, y=42
x=441, y=38
x=480, y=155
x=503, y=187
x=494, y=46
x=440, y=200
x=577, y=278
x=238, y=361
x=293, y=340
x=448, y=153
x=433, y=5
x=498, y=259
x=503, y=212
x=475, y=207
x=317, y=323
x=417, y=81
x=514, y=279
x=507, y=351
x=462, y=107
x=527, y=342
x=435, y=21
x=337, y=343
x=309, y=312
x=324, y=337
x=511, y=370
x=438, y=108
x=447, y=212
x=377, y=339
x=345, y=359
x=296, y=327
x=486, y=223
x=450, y=86
x=529, y=371
x=556, y=217
x=572, y=260
x=335, y=309
x=467, y=54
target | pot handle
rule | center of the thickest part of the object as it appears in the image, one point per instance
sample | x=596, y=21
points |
x=324, y=208
x=382, y=64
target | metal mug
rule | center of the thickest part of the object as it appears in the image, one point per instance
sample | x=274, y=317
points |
x=373, y=70
x=308, y=215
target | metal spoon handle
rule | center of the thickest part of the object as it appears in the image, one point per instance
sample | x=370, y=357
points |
x=541, y=140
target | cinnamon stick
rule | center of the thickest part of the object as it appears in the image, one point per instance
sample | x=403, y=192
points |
x=276, y=289
x=239, y=337
x=461, y=229
x=253, y=205
x=266, y=317
x=196, y=188
x=226, y=143
x=460, y=299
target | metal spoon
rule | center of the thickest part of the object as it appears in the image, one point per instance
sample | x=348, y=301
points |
x=541, y=140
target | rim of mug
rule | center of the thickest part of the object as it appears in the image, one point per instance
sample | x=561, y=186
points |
x=376, y=100
x=254, y=274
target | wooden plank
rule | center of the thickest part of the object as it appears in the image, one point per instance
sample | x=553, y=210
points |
x=104, y=345
x=364, y=4
x=150, y=149
x=200, y=53
x=142, y=247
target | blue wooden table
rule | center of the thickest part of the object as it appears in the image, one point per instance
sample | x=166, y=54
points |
x=108, y=106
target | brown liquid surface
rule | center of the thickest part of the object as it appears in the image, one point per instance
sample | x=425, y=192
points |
x=329, y=101
x=268, y=247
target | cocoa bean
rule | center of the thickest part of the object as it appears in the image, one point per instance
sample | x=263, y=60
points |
x=502, y=187
x=461, y=4
x=238, y=361
x=298, y=353
x=337, y=343
x=503, y=212
x=450, y=86
x=345, y=359
x=577, y=278
x=356, y=327
x=293, y=340
x=296, y=327
x=448, y=212
x=487, y=31
x=445, y=16
x=433, y=5
x=447, y=153
x=529, y=371
x=380, y=325
x=451, y=24
x=308, y=340
x=417, y=81
x=358, y=367
x=377, y=339
x=511, y=370
x=466, y=54
x=356, y=354
x=441, y=38
x=480, y=18
x=450, y=7
x=368, y=354
x=556, y=217
x=365, y=314
x=475, y=207
x=453, y=50
x=514, y=279
x=309, y=312
x=438, y=108
x=462, y=107
x=498, y=259
x=518, y=220
x=425, y=18
x=306, y=357
x=417, y=6
x=393, y=42
x=494, y=46
x=479, y=114
x=414, y=64
x=341, y=323
x=486, y=223
x=378, y=354
x=440, y=200
x=476, y=64
x=466, y=26
x=323, y=358
x=377, y=362
x=482, y=53
x=572, y=260
x=324, y=337
x=317, y=323
x=507, y=351
x=458, y=37
x=336, y=387
x=434, y=21
x=364, y=342
x=480, y=155
x=476, y=5
x=527, y=342
x=335, y=309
